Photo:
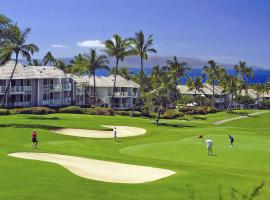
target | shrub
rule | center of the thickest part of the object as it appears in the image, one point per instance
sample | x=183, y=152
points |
x=35, y=110
x=4, y=112
x=72, y=109
x=128, y=113
x=99, y=111
x=170, y=114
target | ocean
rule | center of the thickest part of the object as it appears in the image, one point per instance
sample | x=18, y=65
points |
x=260, y=75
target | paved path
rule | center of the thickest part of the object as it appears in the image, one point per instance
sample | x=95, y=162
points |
x=239, y=117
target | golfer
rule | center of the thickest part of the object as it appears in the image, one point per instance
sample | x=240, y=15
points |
x=34, y=139
x=231, y=138
x=114, y=133
x=209, y=144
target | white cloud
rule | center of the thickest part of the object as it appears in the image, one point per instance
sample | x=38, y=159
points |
x=91, y=43
x=58, y=46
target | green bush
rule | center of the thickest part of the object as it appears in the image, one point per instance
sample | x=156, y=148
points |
x=196, y=110
x=35, y=110
x=128, y=113
x=72, y=109
x=4, y=112
x=99, y=111
x=170, y=114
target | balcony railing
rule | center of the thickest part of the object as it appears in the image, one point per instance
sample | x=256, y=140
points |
x=22, y=104
x=56, y=101
x=67, y=87
x=56, y=87
x=2, y=89
x=20, y=89
x=67, y=101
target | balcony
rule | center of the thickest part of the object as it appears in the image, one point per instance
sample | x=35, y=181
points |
x=20, y=89
x=22, y=104
x=79, y=91
x=219, y=100
x=121, y=94
x=67, y=101
x=2, y=89
x=56, y=88
x=56, y=102
x=67, y=87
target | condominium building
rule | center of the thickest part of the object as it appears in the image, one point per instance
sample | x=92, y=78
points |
x=50, y=86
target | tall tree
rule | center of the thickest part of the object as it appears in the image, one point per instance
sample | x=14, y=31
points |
x=156, y=76
x=244, y=72
x=175, y=70
x=118, y=48
x=49, y=59
x=122, y=71
x=141, y=46
x=78, y=65
x=96, y=62
x=212, y=72
x=16, y=45
x=35, y=62
x=195, y=84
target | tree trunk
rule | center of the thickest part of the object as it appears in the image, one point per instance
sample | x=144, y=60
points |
x=114, y=83
x=94, y=74
x=140, y=89
x=9, y=82
x=158, y=117
x=213, y=85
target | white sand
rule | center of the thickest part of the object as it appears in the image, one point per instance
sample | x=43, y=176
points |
x=122, y=131
x=100, y=170
x=239, y=117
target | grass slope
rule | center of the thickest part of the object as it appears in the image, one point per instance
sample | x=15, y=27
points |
x=172, y=145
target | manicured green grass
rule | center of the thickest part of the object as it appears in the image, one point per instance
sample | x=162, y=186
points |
x=172, y=145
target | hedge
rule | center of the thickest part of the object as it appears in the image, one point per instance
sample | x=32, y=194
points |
x=4, y=112
x=35, y=110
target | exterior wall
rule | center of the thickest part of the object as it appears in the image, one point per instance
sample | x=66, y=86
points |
x=63, y=92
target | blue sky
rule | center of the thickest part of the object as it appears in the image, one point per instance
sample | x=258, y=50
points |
x=224, y=30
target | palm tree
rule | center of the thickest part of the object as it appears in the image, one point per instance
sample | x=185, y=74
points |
x=195, y=84
x=15, y=45
x=4, y=28
x=156, y=76
x=78, y=65
x=212, y=71
x=118, y=48
x=61, y=65
x=122, y=71
x=229, y=83
x=141, y=46
x=176, y=70
x=243, y=71
x=95, y=62
x=48, y=58
x=35, y=62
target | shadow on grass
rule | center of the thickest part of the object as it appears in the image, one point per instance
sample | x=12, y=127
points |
x=43, y=118
x=199, y=118
x=40, y=126
x=175, y=125
x=238, y=113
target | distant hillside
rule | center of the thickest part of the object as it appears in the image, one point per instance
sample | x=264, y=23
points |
x=134, y=61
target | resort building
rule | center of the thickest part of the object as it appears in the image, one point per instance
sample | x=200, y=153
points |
x=49, y=86
x=221, y=98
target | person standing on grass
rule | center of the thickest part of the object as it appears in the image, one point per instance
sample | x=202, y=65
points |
x=209, y=144
x=34, y=139
x=231, y=138
x=114, y=133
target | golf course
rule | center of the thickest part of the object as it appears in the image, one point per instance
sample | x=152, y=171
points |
x=173, y=146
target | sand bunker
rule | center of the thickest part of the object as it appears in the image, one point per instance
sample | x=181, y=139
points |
x=122, y=131
x=100, y=170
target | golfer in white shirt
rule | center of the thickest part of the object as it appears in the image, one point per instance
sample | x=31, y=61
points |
x=209, y=144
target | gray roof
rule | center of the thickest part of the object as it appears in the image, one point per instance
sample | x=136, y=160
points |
x=43, y=72
x=108, y=81
x=30, y=72
x=207, y=89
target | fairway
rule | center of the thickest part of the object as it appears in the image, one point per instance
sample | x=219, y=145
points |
x=173, y=145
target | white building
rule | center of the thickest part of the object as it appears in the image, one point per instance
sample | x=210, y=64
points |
x=221, y=98
x=49, y=86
